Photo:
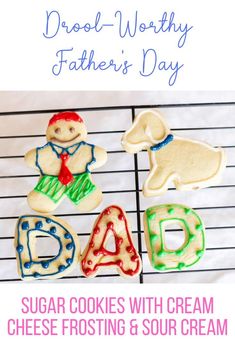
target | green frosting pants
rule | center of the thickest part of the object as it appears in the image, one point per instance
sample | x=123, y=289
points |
x=81, y=187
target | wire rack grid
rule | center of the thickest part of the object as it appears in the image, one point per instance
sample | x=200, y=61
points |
x=121, y=180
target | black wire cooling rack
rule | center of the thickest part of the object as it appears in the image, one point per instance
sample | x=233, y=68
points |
x=216, y=204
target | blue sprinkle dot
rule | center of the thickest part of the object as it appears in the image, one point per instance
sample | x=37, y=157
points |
x=25, y=225
x=53, y=230
x=27, y=265
x=36, y=275
x=45, y=264
x=19, y=248
x=67, y=236
x=38, y=225
x=48, y=220
x=69, y=246
x=69, y=261
x=61, y=268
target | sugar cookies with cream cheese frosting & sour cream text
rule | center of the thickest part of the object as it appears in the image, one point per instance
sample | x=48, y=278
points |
x=189, y=164
x=65, y=164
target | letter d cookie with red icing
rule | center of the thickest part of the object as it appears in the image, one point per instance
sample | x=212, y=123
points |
x=111, y=222
x=65, y=164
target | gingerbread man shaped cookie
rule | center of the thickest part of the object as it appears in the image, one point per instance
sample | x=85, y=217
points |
x=65, y=165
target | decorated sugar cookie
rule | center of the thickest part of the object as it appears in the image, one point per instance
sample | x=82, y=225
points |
x=111, y=222
x=155, y=221
x=189, y=164
x=65, y=165
x=31, y=267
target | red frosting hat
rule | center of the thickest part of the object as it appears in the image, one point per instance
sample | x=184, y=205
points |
x=65, y=116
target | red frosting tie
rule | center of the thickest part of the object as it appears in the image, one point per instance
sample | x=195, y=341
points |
x=65, y=176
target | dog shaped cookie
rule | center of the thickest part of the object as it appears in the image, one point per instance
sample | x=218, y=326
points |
x=189, y=164
x=65, y=165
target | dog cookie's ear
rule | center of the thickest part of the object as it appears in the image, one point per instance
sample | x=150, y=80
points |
x=155, y=127
x=147, y=129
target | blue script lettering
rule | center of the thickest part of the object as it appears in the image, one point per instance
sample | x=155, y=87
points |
x=56, y=69
x=151, y=64
x=124, y=29
x=87, y=61
x=168, y=25
x=54, y=24
x=165, y=24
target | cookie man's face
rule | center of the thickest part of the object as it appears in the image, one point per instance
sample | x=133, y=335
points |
x=66, y=133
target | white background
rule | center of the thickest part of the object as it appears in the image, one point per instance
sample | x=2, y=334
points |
x=27, y=57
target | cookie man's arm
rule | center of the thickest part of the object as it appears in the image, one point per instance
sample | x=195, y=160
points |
x=30, y=158
x=101, y=157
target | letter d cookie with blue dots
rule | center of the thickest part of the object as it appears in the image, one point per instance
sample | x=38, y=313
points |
x=30, y=266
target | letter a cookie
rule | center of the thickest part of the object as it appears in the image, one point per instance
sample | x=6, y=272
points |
x=65, y=165
x=112, y=221
x=189, y=164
